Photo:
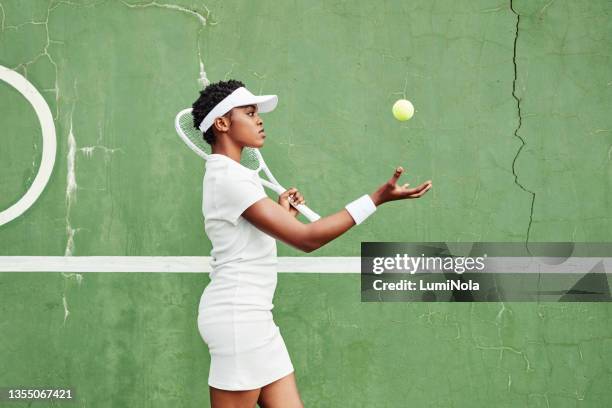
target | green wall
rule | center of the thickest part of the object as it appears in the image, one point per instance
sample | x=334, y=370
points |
x=114, y=76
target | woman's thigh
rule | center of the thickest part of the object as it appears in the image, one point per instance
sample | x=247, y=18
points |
x=233, y=399
x=282, y=393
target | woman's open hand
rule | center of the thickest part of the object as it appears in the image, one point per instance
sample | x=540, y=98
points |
x=391, y=191
x=291, y=196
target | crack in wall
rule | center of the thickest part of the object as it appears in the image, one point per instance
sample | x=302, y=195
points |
x=176, y=7
x=203, y=19
x=520, y=123
x=34, y=168
x=67, y=276
x=71, y=198
x=3, y=18
x=44, y=53
x=501, y=348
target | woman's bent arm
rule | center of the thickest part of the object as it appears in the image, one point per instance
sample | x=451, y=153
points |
x=276, y=221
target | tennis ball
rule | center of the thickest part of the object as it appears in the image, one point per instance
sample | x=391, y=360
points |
x=403, y=110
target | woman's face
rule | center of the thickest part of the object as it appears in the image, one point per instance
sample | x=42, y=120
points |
x=246, y=126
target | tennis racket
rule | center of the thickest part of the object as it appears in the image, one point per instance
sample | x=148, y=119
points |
x=251, y=157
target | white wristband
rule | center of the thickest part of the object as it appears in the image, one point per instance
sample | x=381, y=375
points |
x=361, y=208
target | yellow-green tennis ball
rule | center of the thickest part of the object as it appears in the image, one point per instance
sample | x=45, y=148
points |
x=403, y=110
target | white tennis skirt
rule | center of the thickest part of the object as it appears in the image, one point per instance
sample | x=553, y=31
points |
x=245, y=355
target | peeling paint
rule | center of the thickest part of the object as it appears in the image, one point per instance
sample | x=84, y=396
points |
x=88, y=151
x=70, y=199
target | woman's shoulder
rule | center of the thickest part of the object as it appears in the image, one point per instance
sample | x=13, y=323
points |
x=229, y=178
x=228, y=170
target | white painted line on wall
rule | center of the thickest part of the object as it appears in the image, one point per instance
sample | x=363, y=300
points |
x=21, y=84
x=195, y=264
x=298, y=264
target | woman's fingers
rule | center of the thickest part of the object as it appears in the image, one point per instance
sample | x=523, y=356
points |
x=288, y=193
x=294, y=196
x=298, y=198
x=420, y=190
x=398, y=172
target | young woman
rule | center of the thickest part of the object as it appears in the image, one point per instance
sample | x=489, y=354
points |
x=250, y=363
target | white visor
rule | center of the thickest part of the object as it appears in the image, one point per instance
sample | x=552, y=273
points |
x=240, y=97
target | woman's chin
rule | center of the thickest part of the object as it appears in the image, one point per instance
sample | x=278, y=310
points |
x=257, y=143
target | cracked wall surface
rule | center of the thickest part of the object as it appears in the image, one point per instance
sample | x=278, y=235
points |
x=512, y=103
x=565, y=90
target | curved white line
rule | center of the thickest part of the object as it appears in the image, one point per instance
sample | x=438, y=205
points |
x=49, y=143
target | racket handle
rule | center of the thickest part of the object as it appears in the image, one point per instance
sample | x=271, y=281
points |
x=307, y=212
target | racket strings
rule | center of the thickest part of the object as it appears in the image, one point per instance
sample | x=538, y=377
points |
x=249, y=158
x=194, y=134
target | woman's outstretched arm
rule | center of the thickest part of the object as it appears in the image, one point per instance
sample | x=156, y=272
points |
x=276, y=221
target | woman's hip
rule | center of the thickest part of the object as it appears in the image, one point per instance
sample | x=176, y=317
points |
x=232, y=337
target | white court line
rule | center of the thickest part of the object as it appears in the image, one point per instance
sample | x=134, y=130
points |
x=297, y=264
x=172, y=264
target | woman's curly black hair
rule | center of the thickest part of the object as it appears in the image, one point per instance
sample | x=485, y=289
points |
x=209, y=98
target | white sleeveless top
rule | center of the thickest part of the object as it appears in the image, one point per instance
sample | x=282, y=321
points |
x=243, y=258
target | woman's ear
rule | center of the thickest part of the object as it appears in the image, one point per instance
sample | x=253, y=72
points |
x=222, y=123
